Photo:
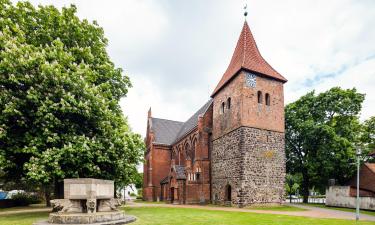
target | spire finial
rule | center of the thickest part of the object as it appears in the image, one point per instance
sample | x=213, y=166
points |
x=245, y=10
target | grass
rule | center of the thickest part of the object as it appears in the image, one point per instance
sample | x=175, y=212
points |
x=34, y=206
x=22, y=218
x=367, y=212
x=277, y=208
x=179, y=216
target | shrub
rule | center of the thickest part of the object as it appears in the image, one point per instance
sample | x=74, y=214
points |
x=25, y=199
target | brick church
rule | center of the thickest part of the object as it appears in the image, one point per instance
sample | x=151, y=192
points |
x=231, y=151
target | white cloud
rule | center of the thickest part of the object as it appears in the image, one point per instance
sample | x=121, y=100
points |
x=176, y=51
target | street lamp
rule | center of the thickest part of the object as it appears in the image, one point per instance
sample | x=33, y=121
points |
x=358, y=153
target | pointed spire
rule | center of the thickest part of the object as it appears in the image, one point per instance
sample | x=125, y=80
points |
x=247, y=56
x=149, y=115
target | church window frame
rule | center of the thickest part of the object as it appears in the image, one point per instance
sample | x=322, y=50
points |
x=260, y=97
x=229, y=103
x=268, y=99
x=222, y=108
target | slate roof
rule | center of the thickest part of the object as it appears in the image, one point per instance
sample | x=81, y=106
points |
x=247, y=56
x=165, y=180
x=168, y=132
x=165, y=131
x=192, y=122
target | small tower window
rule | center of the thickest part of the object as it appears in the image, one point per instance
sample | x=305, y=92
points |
x=229, y=103
x=260, y=100
x=222, y=108
x=268, y=100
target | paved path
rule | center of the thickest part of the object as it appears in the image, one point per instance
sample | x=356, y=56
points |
x=314, y=212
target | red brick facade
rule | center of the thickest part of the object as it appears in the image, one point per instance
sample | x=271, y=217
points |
x=183, y=163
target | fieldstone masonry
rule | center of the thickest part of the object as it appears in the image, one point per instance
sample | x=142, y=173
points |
x=252, y=162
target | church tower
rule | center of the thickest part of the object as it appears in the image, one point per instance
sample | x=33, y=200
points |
x=248, y=155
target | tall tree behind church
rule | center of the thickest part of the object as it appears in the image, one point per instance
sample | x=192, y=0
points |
x=321, y=133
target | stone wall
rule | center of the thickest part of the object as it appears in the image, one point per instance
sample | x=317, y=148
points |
x=252, y=162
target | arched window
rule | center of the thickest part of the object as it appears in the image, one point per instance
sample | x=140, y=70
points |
x=222, y=108
x=268, y=100
x=229, y=103
x=260, y=97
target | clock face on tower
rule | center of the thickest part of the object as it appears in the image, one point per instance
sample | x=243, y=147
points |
x=250, y=79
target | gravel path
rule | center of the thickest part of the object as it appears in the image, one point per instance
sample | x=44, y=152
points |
x=314, y=212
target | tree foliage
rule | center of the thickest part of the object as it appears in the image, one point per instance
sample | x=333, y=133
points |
x=321, y=132
x=59, y=99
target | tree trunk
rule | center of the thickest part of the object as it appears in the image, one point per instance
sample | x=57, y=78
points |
x=305, y=187
x=47, y=196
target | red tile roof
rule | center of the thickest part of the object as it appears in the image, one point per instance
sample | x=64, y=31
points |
x=371, y=166
x=247, y=56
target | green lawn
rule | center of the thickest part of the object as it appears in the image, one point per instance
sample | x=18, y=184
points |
x=277, y=208
x=34, y=206
x=180, y=216
x=371, y=213
x=22, y=218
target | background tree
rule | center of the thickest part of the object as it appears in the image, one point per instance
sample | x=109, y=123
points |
x=59, y=100
x=321, y=132
x=292, y=184
x=139, y=181
x=368, y=137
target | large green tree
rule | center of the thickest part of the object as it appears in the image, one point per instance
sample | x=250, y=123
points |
x=59, y=99
x=321, y=134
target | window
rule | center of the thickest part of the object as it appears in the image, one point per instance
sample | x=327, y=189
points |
x=268, y=101
x=260, y=100
x=229, y=103
x=197, y=176
x=222, y=108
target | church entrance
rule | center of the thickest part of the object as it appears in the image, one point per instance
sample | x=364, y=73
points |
x=172, y=194
x=228, y=193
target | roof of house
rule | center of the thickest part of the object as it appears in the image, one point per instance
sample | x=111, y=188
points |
x=168, y=132
x=247, y=56
x=165, y=131
x=165, y=180
x=371, y=167
x=192, y=122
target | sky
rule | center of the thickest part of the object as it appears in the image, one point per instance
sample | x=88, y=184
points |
x=175, y=52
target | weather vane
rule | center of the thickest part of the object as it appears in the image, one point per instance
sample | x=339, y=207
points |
x=245, y=10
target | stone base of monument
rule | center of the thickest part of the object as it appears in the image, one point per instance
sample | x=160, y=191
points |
x=99, y=218
x=87, y=201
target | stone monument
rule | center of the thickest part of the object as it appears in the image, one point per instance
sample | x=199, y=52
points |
x=87, y=201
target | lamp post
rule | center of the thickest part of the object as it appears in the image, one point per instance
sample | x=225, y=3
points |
x=358, y=153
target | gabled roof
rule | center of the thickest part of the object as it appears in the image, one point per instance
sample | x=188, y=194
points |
x=371, y=167
x=192, y=122
x=168, y=132
x=247, y=56
x=165, y=131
